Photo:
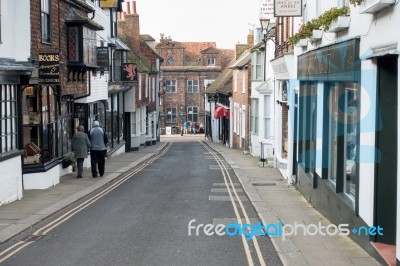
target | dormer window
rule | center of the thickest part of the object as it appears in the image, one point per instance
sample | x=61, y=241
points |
x=210, y=61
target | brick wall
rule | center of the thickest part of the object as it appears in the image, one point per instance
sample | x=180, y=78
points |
x=61, y=11
x=242, y=99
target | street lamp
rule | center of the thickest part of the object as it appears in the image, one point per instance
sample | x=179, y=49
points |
x=268, y=30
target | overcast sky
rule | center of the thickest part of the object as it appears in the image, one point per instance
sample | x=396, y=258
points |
x=226, y=22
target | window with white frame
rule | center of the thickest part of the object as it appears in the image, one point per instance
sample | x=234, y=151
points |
x=254, y=116
x=170, y=114
x=235, y=117
x=234, y=80
x=210, y=61
x=153, y=90
x=147, y=86
x=244, y=77
x=192, y=113
x=8, y=118
x=243, y=122
x=267, y=116
x=170, y=86
x=257, y=66
x=140, y=86
x=45, y=20
x=193, y=86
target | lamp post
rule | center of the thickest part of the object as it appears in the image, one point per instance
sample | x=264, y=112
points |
x=268, y=30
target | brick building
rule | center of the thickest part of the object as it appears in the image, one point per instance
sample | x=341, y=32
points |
x=143, y=113
x=241, y=97
x=188, y=68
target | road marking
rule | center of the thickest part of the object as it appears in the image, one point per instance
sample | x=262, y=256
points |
x=222, y=190
x=63, y=218
x=226, y=198
x=230, y=186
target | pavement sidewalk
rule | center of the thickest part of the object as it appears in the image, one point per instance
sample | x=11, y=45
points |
x=273, y=199
x=276, y=201
x=39, y=204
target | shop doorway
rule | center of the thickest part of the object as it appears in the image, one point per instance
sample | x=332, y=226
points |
x=386, y=143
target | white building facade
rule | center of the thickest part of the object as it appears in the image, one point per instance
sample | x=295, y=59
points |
x=343, y=125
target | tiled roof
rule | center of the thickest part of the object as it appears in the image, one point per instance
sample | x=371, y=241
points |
x=223, y=83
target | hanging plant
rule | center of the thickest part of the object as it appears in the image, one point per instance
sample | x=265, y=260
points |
x=321, y=23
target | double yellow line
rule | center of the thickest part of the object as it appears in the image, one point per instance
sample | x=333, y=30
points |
x=233, y=195
x=50, y=226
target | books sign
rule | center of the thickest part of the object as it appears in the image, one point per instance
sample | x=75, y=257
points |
x=49, y=68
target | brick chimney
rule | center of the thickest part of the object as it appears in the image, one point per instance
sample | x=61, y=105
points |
x=239, y=49
x=129, y=26
x=250, y=38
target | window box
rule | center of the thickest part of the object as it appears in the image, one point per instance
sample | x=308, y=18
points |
x=373, y=6
x=342, y=22
x=302, y=43
x=316, y=35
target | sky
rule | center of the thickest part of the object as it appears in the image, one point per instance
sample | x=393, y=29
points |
x=226, y=22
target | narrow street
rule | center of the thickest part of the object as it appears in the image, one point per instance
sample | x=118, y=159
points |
x=145, y=220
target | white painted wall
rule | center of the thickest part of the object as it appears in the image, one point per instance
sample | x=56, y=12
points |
x=376, y=31
x=10, y=180
x=15, y=29
x=43, y=180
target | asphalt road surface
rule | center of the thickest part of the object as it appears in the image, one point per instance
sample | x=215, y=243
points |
x=154, y=217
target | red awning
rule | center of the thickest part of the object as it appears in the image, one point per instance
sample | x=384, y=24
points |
x=226, y=113
x=219, y=111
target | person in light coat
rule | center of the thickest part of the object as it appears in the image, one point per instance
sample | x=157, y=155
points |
x=80, y=146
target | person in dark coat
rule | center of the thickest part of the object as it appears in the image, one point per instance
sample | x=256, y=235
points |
x=80, y=147
x=98, y=151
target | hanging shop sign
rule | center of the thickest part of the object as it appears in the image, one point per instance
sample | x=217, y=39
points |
x=108, y=3
x=287, y=8
x=49, y=68
x=267, y=9
x=102, y=58
x=339, y=61
x=129, y=72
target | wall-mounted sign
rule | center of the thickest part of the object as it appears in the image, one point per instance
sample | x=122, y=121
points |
x=129, y=72
x=288, y=8
x=267, y=9
x=49, y=68
x=108, y=3
x=102, y=58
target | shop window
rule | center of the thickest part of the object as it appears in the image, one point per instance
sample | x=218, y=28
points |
x=8, y=118
x=114, y=119
x=342, y=134
x=65, y=126
x=307, y=127
x=39, y=124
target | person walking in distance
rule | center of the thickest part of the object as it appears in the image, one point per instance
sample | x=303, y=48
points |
x=98, y=151
x=80, y=147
